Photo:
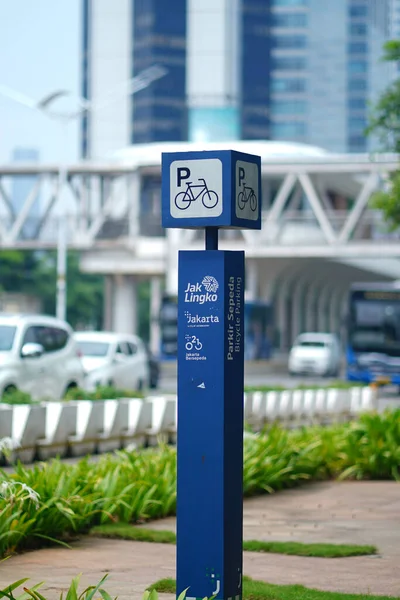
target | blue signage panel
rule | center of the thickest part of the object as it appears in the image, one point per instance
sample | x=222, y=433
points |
x=214, y=188
x=210, y=424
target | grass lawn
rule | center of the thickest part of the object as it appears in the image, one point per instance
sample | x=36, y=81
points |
x=259, y=590
x=138, y=534
x=122, y=531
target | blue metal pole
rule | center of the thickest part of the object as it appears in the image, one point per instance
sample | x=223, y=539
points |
x=211, y=238
x=210, y=422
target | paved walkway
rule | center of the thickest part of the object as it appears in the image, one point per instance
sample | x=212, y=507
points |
x=348, y=512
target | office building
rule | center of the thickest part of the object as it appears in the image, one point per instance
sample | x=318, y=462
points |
x=297, y=70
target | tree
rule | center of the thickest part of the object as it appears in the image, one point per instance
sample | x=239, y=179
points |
x=84, y=291
x=385, y=123
x=33, y=272
x=85, y=296
x=385, y=118
x=16, y=271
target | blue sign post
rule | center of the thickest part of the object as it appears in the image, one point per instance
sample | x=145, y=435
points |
x=211, y=190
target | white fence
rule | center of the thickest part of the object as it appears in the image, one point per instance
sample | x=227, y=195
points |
x=77, y=428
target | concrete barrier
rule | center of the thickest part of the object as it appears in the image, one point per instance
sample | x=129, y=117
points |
x=140, y=414
x=309, y=404
x=89, y=427
x=116, y=414
x=6, y=418
x=28, y=425
x=285, y=413
x=272, y=406
x=83, y=427
x=298, y=407
x=60, y=425
x=163, y=422
x=320, y=405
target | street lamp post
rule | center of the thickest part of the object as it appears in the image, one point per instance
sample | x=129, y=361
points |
x=129, y=87
x=61, y=282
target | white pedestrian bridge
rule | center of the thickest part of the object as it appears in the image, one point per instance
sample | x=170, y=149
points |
x=319, y=230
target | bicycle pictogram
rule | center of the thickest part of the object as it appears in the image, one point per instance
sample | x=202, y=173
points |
x=184, y=199
x=247, y=195
x=192, y=342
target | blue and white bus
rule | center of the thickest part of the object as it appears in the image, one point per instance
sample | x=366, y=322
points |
x=373, y=333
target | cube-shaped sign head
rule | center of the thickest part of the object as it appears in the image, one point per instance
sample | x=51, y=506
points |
x=213, y=188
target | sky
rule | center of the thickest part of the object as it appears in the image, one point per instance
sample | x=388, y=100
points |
x=39, y=53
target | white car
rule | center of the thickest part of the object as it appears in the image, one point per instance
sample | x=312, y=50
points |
x=39, y=356
x=316, y=353
x=113, y=359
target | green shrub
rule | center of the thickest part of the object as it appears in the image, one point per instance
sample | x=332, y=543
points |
x=90, y=593
x=101, y=393
x=57, y=501
x=252, y=590
x=73, y=592
x=264, y=388
x=371, y=447
x=339, y=385
x=14, y=396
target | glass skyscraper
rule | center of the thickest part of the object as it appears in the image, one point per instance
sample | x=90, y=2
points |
x=296, y=70
x=326, y=69
x=159, y=36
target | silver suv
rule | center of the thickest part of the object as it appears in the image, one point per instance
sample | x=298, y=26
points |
x=38, y=355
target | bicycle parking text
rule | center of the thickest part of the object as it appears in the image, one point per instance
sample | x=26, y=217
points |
x=234, y=322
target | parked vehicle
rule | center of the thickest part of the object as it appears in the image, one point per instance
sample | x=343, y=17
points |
x=38, y=355
x=316, y=353
x=113, y=359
